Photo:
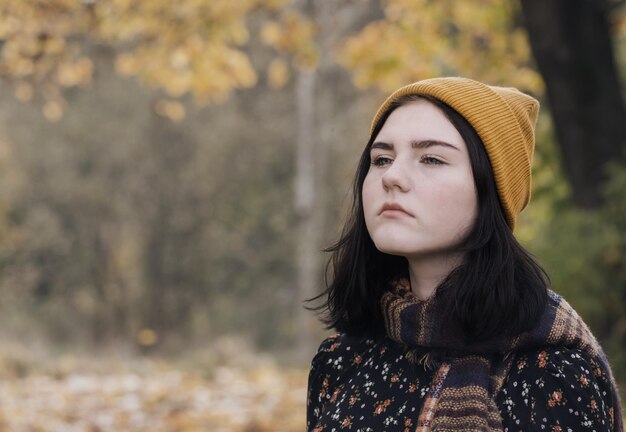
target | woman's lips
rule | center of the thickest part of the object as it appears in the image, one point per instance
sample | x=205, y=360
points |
x=393, y=209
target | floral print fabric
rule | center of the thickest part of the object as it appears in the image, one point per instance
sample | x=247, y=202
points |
x=367, y=385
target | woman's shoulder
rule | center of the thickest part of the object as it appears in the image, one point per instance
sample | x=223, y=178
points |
x=561, y=362
x=342, y=351
x=336, y=356
x=342, y=345
x=556, y=388
x=561, y=370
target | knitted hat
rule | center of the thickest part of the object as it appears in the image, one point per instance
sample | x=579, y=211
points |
x=504, y=119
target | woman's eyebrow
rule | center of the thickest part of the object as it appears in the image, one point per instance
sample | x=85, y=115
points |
x=414, y=144
x=381, y=145
x=430, y=143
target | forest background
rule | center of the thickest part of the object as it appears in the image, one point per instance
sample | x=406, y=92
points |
x=171, y=171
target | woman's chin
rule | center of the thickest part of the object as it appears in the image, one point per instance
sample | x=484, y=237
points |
x=394, y=249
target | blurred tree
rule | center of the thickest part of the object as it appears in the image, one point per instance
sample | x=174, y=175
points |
x=572, y=44
x=418, y=39
x=191, y=47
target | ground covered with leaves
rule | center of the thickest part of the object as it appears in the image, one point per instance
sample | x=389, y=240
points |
x=76, y=394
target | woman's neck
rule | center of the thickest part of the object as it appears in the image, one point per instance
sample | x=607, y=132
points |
x=426, y=273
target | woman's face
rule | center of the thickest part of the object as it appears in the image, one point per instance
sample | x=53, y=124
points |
x=419, y=196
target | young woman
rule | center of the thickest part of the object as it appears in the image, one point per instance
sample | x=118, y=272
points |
x=445, y=323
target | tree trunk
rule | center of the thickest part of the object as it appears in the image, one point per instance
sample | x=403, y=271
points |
x=571, y=43
x=304, y=201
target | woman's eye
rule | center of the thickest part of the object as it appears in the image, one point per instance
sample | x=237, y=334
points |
x=381, y=160
x=429, y=160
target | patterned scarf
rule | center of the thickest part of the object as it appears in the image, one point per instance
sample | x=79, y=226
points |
x=462, y=394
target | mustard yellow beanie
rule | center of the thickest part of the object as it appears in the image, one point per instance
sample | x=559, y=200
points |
x=504, y=119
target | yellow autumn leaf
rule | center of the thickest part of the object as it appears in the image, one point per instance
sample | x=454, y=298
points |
x=53, y=110
x=179, y=59
x=146, y=337
x=271, y=33
x=54, y=45
x=23, y=91
x=76, y=73
x=178, y=84
x=126, y=64
x=170, y=109
x=277, y=73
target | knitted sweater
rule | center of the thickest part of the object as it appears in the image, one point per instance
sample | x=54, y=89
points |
x=368, y=385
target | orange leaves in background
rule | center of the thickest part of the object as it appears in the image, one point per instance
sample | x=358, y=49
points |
x=41, y=48
x=190, y=47
x=277, y=73
x=199, y=47
x=293, y=34
x=421, y=38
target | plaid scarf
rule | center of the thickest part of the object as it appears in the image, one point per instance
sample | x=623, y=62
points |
x=462, y=394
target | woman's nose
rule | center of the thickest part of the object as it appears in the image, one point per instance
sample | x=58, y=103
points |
x=396, y=177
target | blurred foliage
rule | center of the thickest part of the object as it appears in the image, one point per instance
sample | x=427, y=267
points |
x=582, y=250
x=190, y=47
x=119, y=227
x=293, y=34
x=419, y=39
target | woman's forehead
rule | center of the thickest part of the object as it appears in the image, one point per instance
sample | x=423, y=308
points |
x=418, y=121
